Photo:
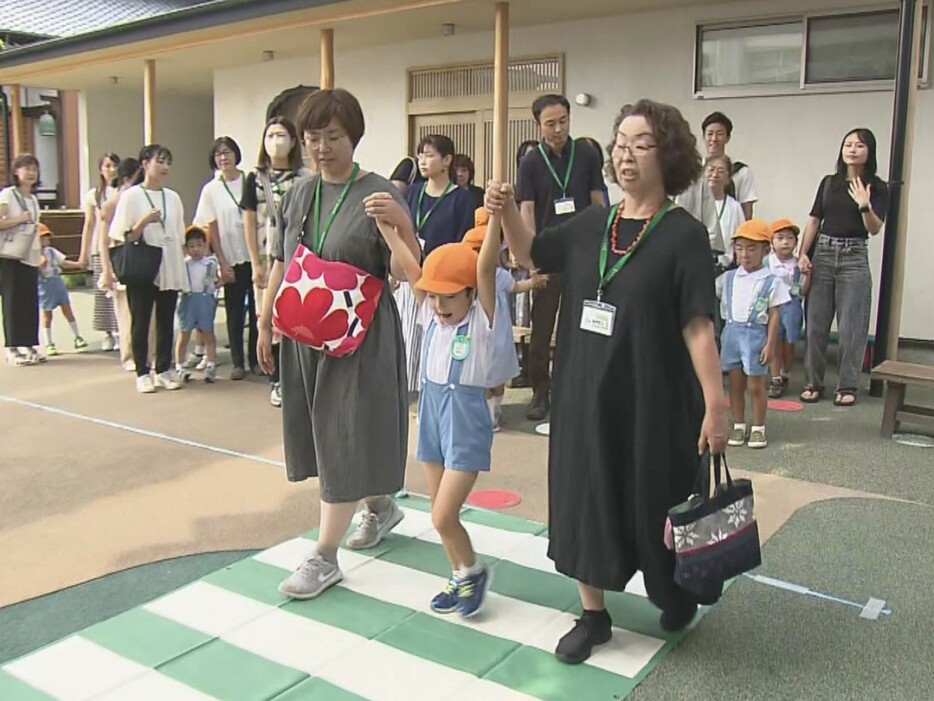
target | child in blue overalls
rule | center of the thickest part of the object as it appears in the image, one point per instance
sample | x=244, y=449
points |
x=750, y=297
x=783, y=262
x=456, y=295
x=196, y=309
x=53, y=292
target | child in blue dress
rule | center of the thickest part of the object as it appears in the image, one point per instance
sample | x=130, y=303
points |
x=196, y=309
x=53, y=292
x=783, y=262
x=505, y=364
x=456, y=295
x=750, y=298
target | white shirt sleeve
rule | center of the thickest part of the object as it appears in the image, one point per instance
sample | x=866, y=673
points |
x=780, y=295
x=205, y=212
x=58, y=257
x=125, y=215
x=745, y=186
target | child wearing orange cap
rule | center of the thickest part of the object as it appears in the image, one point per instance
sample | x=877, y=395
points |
x=53, y=292
x=505, y=363
x=750, y=298
x=783, y=262
x=456, y=294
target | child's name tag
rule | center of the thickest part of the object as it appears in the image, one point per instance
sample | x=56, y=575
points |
x=460, y=347
x=598, y=317
x=565, y=206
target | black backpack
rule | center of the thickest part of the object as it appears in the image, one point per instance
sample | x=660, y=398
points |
x=730, y=189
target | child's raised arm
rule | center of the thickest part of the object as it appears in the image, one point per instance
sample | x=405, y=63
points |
x=486, y=266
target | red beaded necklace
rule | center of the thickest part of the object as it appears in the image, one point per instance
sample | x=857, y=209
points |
x=614, y=231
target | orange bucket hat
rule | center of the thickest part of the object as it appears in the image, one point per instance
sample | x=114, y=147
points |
x=43, y=230
x=449, y=269
x=474, y=237
x=780, y=224
x=753, y=230
x=481, y=217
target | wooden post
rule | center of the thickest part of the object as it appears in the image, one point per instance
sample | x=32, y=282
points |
x=898, y=267
x=500, y=90
x=327, y=59
x=149, y=101
x=16, y=112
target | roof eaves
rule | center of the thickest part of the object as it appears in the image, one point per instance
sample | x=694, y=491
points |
x=186, y=20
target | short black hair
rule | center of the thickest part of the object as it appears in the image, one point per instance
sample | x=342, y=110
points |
x=546, y=101
x=321, y=106
x=524, y=148
x=462, y=160
x=230, y=144
x=718, y=118
x=127, y=171
x=193, y=233
x=676, y=145
x=153, y=152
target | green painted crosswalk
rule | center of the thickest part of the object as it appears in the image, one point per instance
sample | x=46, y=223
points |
x=233, y=637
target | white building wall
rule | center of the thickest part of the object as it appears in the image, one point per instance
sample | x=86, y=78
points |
x=790, y=142
x=112, y=120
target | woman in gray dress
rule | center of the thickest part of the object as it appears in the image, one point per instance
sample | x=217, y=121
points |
x=345, y=420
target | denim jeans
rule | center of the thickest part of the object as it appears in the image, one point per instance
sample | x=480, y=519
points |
x=841, y=286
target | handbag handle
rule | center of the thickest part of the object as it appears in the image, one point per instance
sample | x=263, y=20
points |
x=702, y=483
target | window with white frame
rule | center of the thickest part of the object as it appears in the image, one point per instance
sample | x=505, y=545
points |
x=854, y=49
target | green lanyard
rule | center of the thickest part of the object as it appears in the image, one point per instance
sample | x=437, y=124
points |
x=226, y=187
x=420, y=220
x=21, y=201
x=152, y=204
x=606, y=277
x=318, y=234
x=563, y=184
x=722, y=207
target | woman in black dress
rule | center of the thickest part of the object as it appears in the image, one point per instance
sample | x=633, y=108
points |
x=637, y=384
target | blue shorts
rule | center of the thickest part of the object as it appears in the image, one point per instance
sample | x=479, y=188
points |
x=792, y=321
x=740, y=346
x=52, y=293
x=455, y=428
x=196, y=311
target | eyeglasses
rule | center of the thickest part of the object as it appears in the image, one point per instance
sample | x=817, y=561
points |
x=223, y=152
x=315, y=142
x=636, y=149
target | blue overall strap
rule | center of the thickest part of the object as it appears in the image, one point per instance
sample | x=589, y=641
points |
x=729, y=295
x=457, y=366
x=426, y=344
x=764, y=292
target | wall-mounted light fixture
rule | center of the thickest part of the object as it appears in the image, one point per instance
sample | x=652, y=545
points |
x=47, y=126
x=114, y=80
x=447, y=29
x=269, y=55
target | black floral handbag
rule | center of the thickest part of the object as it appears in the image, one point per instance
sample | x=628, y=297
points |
x=136, y=263
x=716, y=537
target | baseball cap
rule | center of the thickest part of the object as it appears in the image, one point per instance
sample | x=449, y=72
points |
x=449, y=269
x=753, y=230
x=780, y=224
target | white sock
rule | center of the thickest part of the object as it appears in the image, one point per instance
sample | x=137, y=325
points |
x=465, y=572
x=47, y=335
x=179, y=367
x=73, y=325
x=199, y=351
x=759, y=428
x=491, y=405
x=211, y=364
x=739, y=427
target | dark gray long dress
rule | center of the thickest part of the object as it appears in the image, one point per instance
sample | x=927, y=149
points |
x=345, y=420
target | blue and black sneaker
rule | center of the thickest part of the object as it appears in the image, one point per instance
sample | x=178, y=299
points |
x=446, y=600
x=471, y=592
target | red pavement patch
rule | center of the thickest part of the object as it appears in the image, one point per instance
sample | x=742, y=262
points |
x=494, y=499
x=785, y=405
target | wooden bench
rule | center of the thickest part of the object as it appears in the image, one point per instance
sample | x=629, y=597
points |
x=898, y=376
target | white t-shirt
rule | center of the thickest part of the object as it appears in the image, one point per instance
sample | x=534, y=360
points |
x=202, y=274
x=90, y=199
x=731, y=216
x=699, y=202
x=53, y=262
x=169, y=234
x=745, y=186
x=786, y=271
x=438, y=354
x=220, y=202
x=746, y=288
x=11, y=198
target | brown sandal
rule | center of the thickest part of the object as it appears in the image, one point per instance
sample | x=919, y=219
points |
x=812, y=394
x=844, y=394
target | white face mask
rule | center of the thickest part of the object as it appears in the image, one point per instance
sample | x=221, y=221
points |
x=278, y=146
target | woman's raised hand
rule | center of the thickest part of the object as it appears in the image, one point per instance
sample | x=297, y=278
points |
x=497, y=195
x=384, y=208
x=860, y=193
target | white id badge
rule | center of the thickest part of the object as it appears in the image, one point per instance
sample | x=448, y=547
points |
x=598, y=317
x=565, y=206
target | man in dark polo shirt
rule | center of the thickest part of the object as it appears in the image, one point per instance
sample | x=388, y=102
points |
x=556, y=181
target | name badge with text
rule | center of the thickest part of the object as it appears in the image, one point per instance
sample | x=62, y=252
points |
x=565, y=206
x=598, y=318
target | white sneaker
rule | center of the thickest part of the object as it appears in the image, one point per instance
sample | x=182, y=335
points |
x=108, y=344
x=373, y=527
x=129, y=366
x=144, y=384
x=312, y=577
x=757, y=438
x=202, y=364
x=166, y=380
x=192, y=361
x=275, y=394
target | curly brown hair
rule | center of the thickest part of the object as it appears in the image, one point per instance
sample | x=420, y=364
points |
x=676, y=145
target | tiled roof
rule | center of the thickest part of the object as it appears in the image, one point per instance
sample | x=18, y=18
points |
x=61, y=18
